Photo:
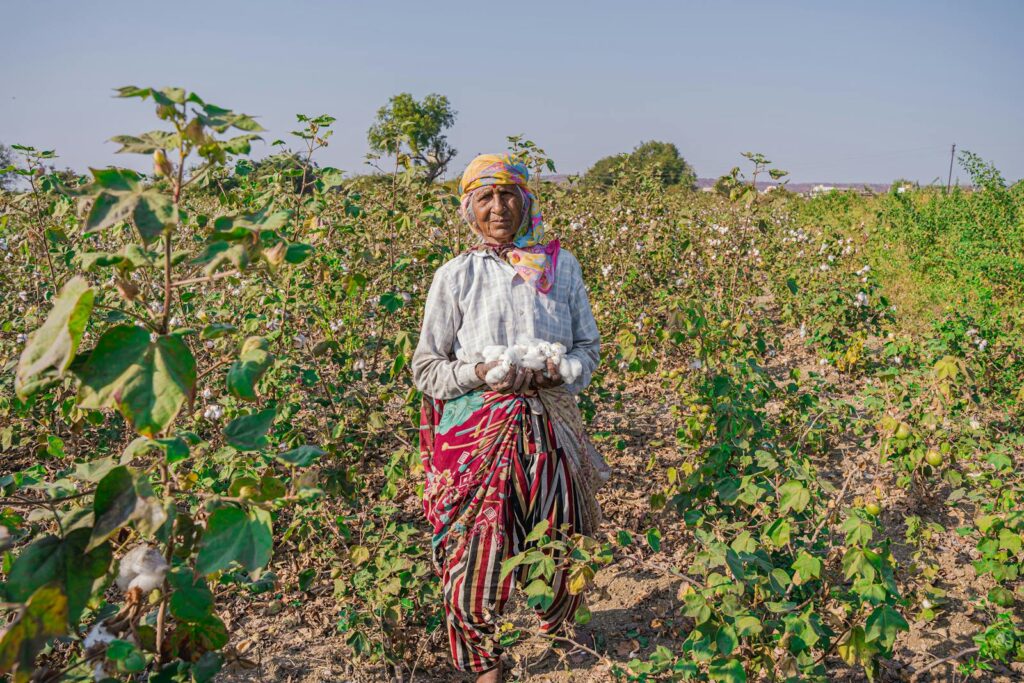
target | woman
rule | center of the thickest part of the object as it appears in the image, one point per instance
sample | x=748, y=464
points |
x=501, y=457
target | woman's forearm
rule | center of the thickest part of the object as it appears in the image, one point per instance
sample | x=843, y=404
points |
x=434, y=372
x=442, y=378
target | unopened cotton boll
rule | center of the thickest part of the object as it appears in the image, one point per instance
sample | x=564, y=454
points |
x=142, y=567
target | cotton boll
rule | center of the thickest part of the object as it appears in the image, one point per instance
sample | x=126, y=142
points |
x=515, y=354
x=142, y=567
x=498, y=372
x=534, y=358
x=98, y=635
x=570, y=369
x=493, y=352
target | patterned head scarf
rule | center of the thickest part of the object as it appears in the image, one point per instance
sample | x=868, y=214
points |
x=532, y=258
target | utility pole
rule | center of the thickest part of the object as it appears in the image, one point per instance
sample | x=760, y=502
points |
x=949, y=178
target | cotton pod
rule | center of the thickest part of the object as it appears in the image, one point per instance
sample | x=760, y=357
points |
x=142, y=567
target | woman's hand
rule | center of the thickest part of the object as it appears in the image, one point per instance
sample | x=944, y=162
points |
x=517, y=381
x=553, y=379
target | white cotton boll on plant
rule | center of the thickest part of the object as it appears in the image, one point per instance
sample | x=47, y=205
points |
x=142, y=567
x=98, y=635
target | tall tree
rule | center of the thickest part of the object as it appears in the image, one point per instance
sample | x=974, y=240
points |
x=660, y=158
x=416, y=129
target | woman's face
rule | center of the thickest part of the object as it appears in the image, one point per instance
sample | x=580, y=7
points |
x=498, y=210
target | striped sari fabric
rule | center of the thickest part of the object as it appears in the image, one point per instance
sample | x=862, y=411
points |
x=493, y=471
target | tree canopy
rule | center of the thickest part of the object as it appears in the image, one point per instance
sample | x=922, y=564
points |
x=415, y=129
x=659, y=158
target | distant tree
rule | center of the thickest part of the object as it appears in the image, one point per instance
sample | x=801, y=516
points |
x=659, y=158
x=416, y=129
x=6, y=159
x=901, y=185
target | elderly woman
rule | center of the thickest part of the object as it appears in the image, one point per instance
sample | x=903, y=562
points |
x=503, y=455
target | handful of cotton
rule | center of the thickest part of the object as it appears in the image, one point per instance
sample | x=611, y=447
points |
x=532, y=354
x=142, y=567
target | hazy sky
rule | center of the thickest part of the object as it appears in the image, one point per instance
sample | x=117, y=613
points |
x=831, y=91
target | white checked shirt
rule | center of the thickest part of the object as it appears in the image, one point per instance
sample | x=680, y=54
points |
x=478, y=299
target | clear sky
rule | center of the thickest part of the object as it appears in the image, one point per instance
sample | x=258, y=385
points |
x=836, y=91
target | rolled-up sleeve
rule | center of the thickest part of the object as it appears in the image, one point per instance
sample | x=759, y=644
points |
x=435, y=371
x=586, y=340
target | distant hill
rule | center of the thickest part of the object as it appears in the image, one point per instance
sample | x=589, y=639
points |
x=800, y=188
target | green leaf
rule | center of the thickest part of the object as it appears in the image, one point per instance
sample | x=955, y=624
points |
x=44, y=617
x=726, y=640
x=91, y=260
x=200, y=636
x=748, y=626
x=303, y=456
x=793, y=496
x=147, y=379
x=853, y=649
x=234, y=535
x=654, y=539
x=728, y=671
x=298, y=252
x=123, y=497
x=119, y=196
x=191, y=599
x=539, y=594
x=537, y=532
x=128, y=657
x=248, y=432
x=153, y=212
x=64, y=562
x=147, y=143
x=807, y=566
x=215, y=330
x=391, y=302
x=883, y=624
x=51, y=348
x=509, y=564
x=778, y=532
x=860, y=562
x=208, y=665
x=250, y=366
